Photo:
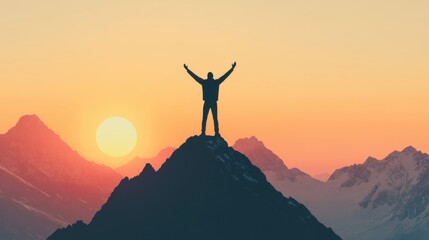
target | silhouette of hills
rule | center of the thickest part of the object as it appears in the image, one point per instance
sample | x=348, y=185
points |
x=134, y=167
x=44, y=183
x=205, y=190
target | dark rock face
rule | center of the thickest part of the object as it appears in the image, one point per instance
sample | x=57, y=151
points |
x=205, y=190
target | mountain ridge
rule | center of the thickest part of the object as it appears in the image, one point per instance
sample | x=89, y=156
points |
x=134, y=166
x=205, y=190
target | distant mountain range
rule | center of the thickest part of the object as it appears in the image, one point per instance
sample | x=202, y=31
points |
x=388, y=197
x=376, y=200
x=44, y=184
x=205, y=190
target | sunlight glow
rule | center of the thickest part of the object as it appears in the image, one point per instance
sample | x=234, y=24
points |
x=116, y=136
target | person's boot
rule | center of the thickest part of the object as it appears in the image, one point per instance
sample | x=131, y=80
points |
x=203, y=134
x=217, y=134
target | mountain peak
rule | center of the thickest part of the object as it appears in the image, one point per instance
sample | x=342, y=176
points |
x=148, y=170
x=260, y=155
x=30, y=122
x=370, y=160
x=409, y=150
x=40, y=173
x=249, y=143
x=205, y=190
x=31, y=131
x=30, y=125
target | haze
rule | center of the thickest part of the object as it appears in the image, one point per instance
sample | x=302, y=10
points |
x=323, y=83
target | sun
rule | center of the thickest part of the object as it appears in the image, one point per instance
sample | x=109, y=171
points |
x=116, y=136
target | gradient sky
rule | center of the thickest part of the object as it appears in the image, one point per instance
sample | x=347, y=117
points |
x=323, y=83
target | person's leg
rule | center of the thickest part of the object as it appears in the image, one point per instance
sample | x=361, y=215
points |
x=206, y=108
x=215, y=121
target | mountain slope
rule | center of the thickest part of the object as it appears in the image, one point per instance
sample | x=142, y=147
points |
x=291, y=182
x=44, y=183
x=205, y=190
x=134, y=167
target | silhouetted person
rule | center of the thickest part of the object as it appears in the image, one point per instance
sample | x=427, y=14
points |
x=210, y=96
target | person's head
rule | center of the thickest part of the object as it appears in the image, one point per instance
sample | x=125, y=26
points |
x=210, y=76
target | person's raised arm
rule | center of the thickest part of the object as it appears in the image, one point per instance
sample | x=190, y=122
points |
x=221, y=79
x=193, y=75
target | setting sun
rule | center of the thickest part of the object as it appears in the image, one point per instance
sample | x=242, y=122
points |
x=116, y=136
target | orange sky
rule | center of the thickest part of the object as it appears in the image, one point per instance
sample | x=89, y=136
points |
x=323, y=83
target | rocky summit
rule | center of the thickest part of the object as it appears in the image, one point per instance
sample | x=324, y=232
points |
x=205, y=190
